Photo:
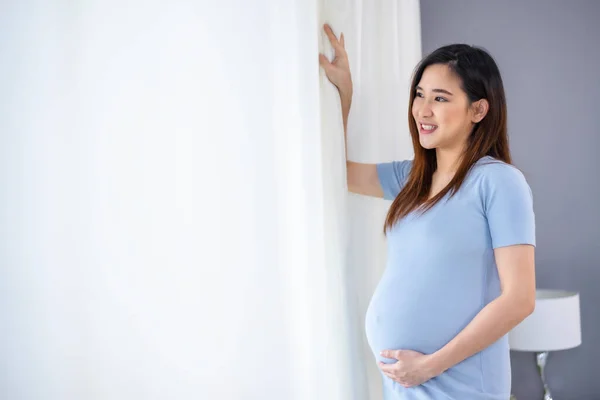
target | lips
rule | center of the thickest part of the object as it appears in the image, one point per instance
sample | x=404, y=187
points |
x=426, y=129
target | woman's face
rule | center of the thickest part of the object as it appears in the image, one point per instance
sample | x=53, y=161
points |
x=441, y=109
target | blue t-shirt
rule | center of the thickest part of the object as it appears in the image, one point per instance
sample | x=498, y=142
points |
x=441, y=272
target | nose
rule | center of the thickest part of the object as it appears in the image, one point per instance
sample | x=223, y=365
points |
x=424, y=110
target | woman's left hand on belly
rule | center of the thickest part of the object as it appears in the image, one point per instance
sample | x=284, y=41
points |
x=411, y=369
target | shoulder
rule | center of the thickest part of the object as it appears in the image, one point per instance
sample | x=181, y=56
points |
x=393, y=176
x=404, y=165
x=501, y=182
x=493, y=173
x=398, y=169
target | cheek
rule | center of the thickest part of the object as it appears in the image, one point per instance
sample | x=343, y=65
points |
x=414, y=110
x=450, y=117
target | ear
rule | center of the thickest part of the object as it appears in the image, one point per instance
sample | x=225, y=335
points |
x=479, y=109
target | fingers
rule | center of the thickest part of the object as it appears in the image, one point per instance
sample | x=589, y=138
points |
x=332, y=38
x=393, y=354
x=342, y=42
x=324, y=62
x=386, y=367
x=389, y=370
x=396, y=354
x=389, y=376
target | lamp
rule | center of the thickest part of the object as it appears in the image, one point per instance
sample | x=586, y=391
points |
x=554, y=325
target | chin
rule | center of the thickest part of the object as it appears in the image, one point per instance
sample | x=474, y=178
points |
x=427, y=145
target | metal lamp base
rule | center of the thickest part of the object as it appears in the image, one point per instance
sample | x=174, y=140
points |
x=541, y=363
x=541, y=357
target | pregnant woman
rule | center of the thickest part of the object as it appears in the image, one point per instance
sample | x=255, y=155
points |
x=460, y=270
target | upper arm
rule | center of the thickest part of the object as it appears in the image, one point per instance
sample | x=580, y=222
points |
x=508, y=205
x=516, y=270
x=362, y=179
x=383, y=180
x=508, y=202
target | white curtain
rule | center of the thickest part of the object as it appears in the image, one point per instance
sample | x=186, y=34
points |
x=174, y=220
x=384, y=46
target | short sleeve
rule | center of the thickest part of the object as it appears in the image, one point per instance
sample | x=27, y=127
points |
x=392, y=177
x=508, y=202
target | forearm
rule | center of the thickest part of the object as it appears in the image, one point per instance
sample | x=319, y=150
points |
x=346, y=98
x=490, y=324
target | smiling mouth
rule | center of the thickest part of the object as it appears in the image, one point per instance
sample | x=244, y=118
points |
x=426, y=129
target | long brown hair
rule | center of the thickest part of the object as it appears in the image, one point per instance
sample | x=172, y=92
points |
x=480, y=79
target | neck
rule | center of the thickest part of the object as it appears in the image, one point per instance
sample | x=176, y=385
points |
x=448, y=161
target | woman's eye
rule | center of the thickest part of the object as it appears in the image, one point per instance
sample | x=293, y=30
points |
x=440, y=99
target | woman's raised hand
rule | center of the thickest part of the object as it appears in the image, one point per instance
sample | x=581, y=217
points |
x=338, y=70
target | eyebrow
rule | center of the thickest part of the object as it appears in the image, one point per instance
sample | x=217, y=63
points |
x=437, y=90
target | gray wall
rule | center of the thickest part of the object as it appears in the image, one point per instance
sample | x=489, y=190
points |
x=549, y=56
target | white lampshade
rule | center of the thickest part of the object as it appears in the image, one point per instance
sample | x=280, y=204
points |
x=554, y=325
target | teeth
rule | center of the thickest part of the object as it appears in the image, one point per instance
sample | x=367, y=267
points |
x=428, y=127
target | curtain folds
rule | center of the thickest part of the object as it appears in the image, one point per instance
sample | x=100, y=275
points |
x=174, y=217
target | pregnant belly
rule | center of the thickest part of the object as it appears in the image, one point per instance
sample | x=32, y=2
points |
x=418, y=313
